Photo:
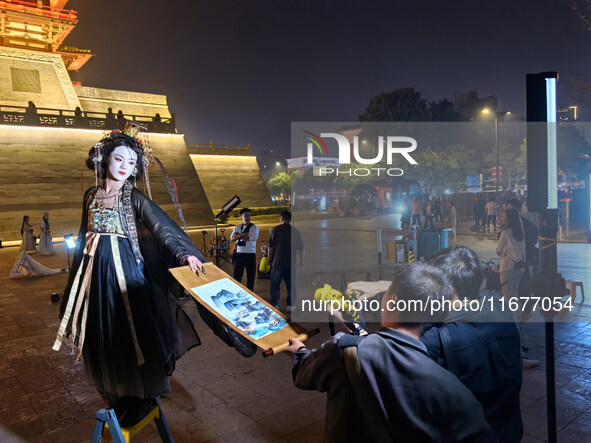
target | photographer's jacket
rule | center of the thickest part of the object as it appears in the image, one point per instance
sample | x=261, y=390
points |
x=421, y=401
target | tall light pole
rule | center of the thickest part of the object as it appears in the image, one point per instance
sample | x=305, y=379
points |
x=542, y=197
x=497, y=114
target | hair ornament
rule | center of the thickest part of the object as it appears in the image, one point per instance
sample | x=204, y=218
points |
x=139, y=132
x=98, y=158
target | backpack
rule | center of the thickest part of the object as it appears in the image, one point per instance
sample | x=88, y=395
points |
x=372, y=412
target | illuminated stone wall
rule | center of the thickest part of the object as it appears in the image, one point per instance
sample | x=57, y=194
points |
x=43, y=78
x=42, y=169
x=38, y=76
x=131, y=103
x=223, y=176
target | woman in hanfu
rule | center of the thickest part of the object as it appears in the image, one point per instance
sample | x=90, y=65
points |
x=28, y=243
x=116, y=309
x=45, y=240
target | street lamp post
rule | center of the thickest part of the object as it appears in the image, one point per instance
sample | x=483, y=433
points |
x=497, y=114
x=497, y=155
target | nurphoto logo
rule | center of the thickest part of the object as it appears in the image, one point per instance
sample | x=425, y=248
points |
x=393, y=145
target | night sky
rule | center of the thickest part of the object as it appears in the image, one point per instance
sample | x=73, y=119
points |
x=239, y=72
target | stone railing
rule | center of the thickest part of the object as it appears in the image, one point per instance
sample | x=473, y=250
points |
x=61, y=118
x=213, y=149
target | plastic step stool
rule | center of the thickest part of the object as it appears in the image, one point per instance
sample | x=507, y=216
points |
x=123, y=435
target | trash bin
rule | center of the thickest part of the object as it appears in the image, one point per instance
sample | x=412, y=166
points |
x=433, y=240
x=429, y=242
x=444, y=238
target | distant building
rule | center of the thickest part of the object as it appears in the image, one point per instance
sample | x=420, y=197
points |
x=50, y=122
x=567, y=113
x=300, y=163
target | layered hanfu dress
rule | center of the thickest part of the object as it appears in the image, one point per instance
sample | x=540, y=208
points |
x=116, y=308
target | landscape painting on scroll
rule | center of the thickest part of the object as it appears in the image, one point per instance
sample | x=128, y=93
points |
x=240, y=308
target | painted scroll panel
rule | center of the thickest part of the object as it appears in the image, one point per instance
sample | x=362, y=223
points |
x=240, y=308
x=265, y=337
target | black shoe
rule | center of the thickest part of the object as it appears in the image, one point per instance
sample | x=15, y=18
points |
x=119, y=406
x=135, y=413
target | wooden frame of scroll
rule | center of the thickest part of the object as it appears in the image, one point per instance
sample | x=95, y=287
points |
x=271, y=344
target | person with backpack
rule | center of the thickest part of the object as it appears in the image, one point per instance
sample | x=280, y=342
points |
x=384, y=386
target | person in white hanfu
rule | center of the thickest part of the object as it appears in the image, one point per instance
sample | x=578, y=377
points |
x=28, y=244
x=45, y=240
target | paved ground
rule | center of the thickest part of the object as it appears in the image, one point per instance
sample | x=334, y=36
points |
x=218, y=395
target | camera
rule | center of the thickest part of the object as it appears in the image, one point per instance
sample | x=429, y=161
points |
x=241, y=242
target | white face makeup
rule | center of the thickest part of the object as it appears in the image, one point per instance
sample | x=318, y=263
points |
x=121, y=163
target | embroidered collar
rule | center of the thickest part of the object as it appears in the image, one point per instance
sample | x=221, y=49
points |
x=128, y=220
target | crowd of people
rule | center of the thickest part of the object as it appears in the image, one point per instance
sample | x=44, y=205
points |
x=434, y=212
x=487, y=211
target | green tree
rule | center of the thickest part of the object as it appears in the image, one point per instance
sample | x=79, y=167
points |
x=446, y=168
x=348, y=182
x=521, y=161
x=512, y=159
x=443, y=111
x=400, y=105
x=280, y=184
x=571, y=142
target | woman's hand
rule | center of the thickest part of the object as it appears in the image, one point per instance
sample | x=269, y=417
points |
x=193, y=262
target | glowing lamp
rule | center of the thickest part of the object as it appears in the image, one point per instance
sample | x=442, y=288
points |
x=70, y=242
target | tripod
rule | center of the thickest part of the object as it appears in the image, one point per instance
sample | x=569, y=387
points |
x=204, y=248
x=221, y=246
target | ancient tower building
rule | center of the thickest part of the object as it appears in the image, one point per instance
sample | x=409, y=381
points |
x=48, y=124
